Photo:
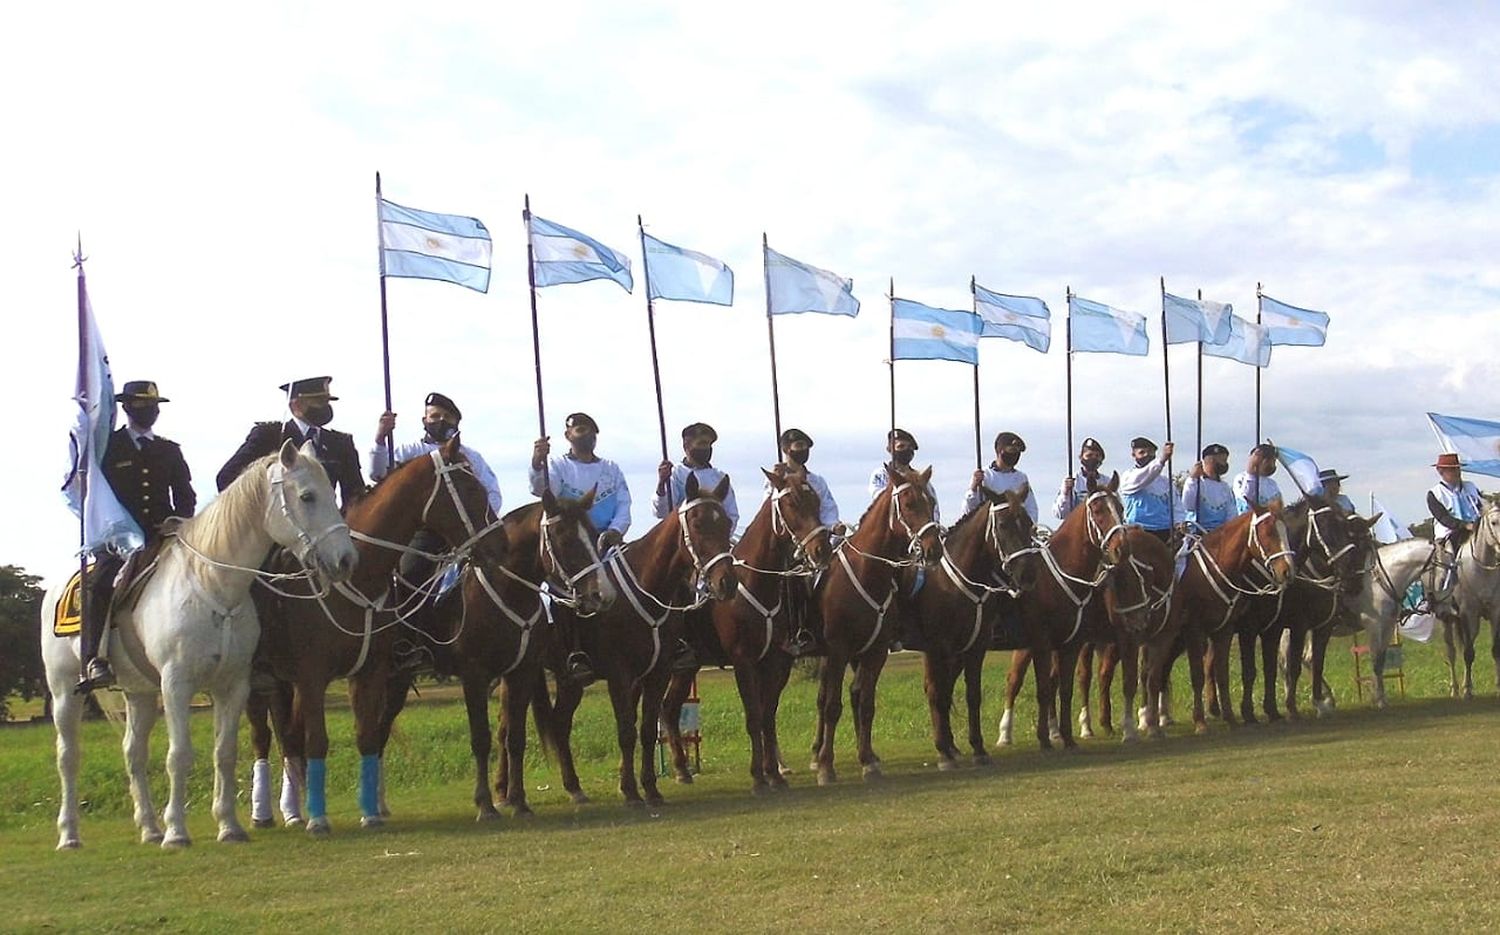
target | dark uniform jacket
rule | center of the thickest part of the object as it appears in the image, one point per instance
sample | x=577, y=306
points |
x=152, y=481
x=335, y=450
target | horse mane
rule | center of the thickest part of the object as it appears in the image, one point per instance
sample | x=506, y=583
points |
x=385, y=481
x=231, y=516
x=896, y=477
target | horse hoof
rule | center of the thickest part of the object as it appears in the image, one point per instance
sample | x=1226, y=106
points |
x=1166, y=720
x=1087, y=733
x=263, y=823
x=1200, y=728
x=578, y=797
x=487, y=814
x=945, y=764
x=319, y=827
x=384, y=812
x=292, y=821
x=827, y=777
x=1381, y=704
x=522, y=812
x=70, y=844
x=234, y=836
x=636, y=802
x=371, y=821
x=1157, y=733
x=812, y=767
x=983, y=759
x=174, y=842
x=684, y=779
x=1129, y=737
x=779, y=784
x=759, y=788
x=151, y=836
x=872, y=772
x=655, y=801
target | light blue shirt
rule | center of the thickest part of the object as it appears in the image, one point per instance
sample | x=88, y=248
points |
x=1209, y=502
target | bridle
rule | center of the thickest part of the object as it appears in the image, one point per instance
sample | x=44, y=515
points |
x=443, y=477
x=1219, y=580
x=307, y=542
x=1099, y=537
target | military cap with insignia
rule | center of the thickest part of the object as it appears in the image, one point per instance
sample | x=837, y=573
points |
x=443, y=402
x=309, y=387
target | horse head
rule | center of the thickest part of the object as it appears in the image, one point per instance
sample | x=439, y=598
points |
x=1327, y=546
x=568, y=556
x=1485, y=542
x=705, y=532
x=910, y=514
x=1269, y=546
x=794, y=514
x=458, y=508
x=1139, y=589
x=1010, y=535
x=301, y=513
x=1105, y=518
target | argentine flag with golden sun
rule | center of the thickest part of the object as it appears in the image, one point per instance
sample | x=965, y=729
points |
x=563, y=255
x=425, y=245
x=921, y=332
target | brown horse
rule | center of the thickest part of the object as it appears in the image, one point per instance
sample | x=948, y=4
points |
x=785, y=540
x=309, y=641
x=629, y=641
x=854, y=600
x=989, y=559
x=1245, y=558
x=1061, y=612
x=496, y=635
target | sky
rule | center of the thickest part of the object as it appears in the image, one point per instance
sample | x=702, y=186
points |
x=219, y=161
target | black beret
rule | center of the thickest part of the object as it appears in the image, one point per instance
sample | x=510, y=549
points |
x=1006, y=439
x=1092, y=444
x=1214, y=449
x=1141, y=441
x=795, y=435
x=443, y=402
x=581, y=418
x=700, y=428
x=897, y=434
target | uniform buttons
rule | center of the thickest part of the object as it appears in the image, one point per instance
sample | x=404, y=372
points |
x=145, y=470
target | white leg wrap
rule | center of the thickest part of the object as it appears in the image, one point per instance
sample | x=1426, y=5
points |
x=260, y=791
x=1006, y=720
x=291, y=791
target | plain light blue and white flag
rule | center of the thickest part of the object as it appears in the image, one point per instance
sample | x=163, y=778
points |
x=562, y=255
x=796, y=287
x=921, y=332
x=423, y=245
x=1302, y=467
x=1100, y=329
x=1248, y=343
x=1190, y=320
x=1475, y=441
x=106, y=524
x=1386, y=529
x=1288, y=324
x=1017, y=317
x=685, y=275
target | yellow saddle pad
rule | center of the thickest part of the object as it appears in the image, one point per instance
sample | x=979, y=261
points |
x=67, y=619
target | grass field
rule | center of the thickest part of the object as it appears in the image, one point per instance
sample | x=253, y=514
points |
x=1369, y=821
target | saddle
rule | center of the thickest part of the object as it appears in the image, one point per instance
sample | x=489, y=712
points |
x=67, y=617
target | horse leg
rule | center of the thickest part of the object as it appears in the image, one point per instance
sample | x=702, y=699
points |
x=477, y=708
x=308, y=710
x=1015, y=680
x=679, y=685
x=176, y=696
x=397, y=688
x=821, y=704
x=1200, y=660
x=291, y=737
x=1448, y=652
x=1109, y=658
x=258, y=713
x=1322, y=699
x=650, y=694
x=938, y=687
x=1130, y=658
x=228, y=705
x=1085, y=685
x=1247, y=678
x=830, y=709
x=973, y=670
x=67, y=712
x=749, y=683
x=1495, y=643
x=368, y=691
x=1296, y=638
x=569, y=695
x=1270, y=648
x=140, y=717
x=1221, y=674
x=623, y=698
x=867, y=676
x=778, y=669
x=1067, y=659
x=1470, y=631
x=516, y=692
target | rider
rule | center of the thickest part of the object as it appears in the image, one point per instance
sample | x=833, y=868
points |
x=1207, y=501
x=1254, y=482
x=572, y=476
x=671, y=480
x=309, y=401
x=902, y=446
x=1333, y=483
x=1002, y=475
x=1075, y=488
x=151, y=480
x=796, y=448
x=1455, y=505
x=1146, y=490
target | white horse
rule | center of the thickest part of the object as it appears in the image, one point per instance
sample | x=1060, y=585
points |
x=193, y=628
x=1476, y=594
x=1392, y=570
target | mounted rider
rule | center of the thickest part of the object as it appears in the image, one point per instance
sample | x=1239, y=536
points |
x=1455, y=505
x=1075, y=488
x=796, y=449
x=310, y=402
x=697, y=454
x=151, y=480
x=1333, y=489
x=1002, y=475
x=1207, y=501
x=902, y=447
x=1146, y=490
x=1254, y=483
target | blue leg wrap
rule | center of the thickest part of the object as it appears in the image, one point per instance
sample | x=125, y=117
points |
x=369, y=784
x=317, y=787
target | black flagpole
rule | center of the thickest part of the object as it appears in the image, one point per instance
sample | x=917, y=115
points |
x=765, y=257
x=385, y=329
x=83, y=445
x=1166, y=388
x=536, y=341
x=1068, y=460
x=1198, y=491
x=978, y=445
x=892, y=360
x=1255, y=478
x=661, y=418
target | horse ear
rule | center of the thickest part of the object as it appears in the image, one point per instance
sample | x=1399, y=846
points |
x=452, y=449
x=775, y=478
x=925, y=476
x=1024, y=492
x=721, y=490
x=586, y=502
x=1114, y=482
x=289, y=452
x=549, y=500
x=892, y=472
x=1370, y=523
x=690, y=489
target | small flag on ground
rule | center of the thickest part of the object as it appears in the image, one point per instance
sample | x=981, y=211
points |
x=1248, y=343
x=561, y=255
x=1475, y=441
x=1097, y=328
x=1190, y=320
x=1016, y=317
x=1302, y=467
x=921, y=332
x=686, y=275
x=795, y=287
x=1288, y=324
x=423, y=245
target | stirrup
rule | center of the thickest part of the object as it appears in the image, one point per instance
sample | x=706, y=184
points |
x=579, y=668
x=96, y=675
x=801, y=643
x=684, y=659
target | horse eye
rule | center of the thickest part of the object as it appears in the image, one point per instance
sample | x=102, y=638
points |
x=307, y=496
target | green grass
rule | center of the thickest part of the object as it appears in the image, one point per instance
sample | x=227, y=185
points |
x=1370, y=820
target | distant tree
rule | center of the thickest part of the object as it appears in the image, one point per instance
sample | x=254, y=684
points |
x=21, y=670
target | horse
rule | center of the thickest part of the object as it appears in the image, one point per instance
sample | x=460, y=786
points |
x=989, y=558
x=686, y=552
x=1060, y=612
x=1247, y=557
x=311, y=640
x=1476, y=594
x=784, y=540
x=853, y=601
x=1394, y=568
x=189, y=628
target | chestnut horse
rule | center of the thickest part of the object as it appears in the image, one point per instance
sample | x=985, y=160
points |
x=989, y=559
x=655, y=576
x=1060, y=613
x=785, y=540
x=853, y=601
x=310, y=641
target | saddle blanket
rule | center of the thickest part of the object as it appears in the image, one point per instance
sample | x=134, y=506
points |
x=67, y=617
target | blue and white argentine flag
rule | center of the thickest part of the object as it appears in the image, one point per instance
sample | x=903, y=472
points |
x=1248, y=343
x=1288, y=324
x=1302, y=467
x=423, y=245
x=562, y=255
x=1475, y=441
x=1100, y=329
x=685, y=275
x=794, y=287
x=1017, y=317
x=1190, y=320
x=920, y=332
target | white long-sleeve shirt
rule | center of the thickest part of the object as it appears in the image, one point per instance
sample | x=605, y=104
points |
x=1208, y=501
x=1244, y=485
x=1065, y=502
x=1148, y=496
x=708, y=478
x=828, y=510
x=572, y=479
x=1000, y=480
x=410, y=451
x=878, y=480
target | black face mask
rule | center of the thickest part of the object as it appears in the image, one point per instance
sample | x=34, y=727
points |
x=319, y=414
x=1217, y=470
x=1091, y=465
x=585, y=443
x=439, y=431
x=700, y=455
x=1009, y=458
x=143, y=415
x=1142, y=462
x=798, y=457
x=903, y=458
